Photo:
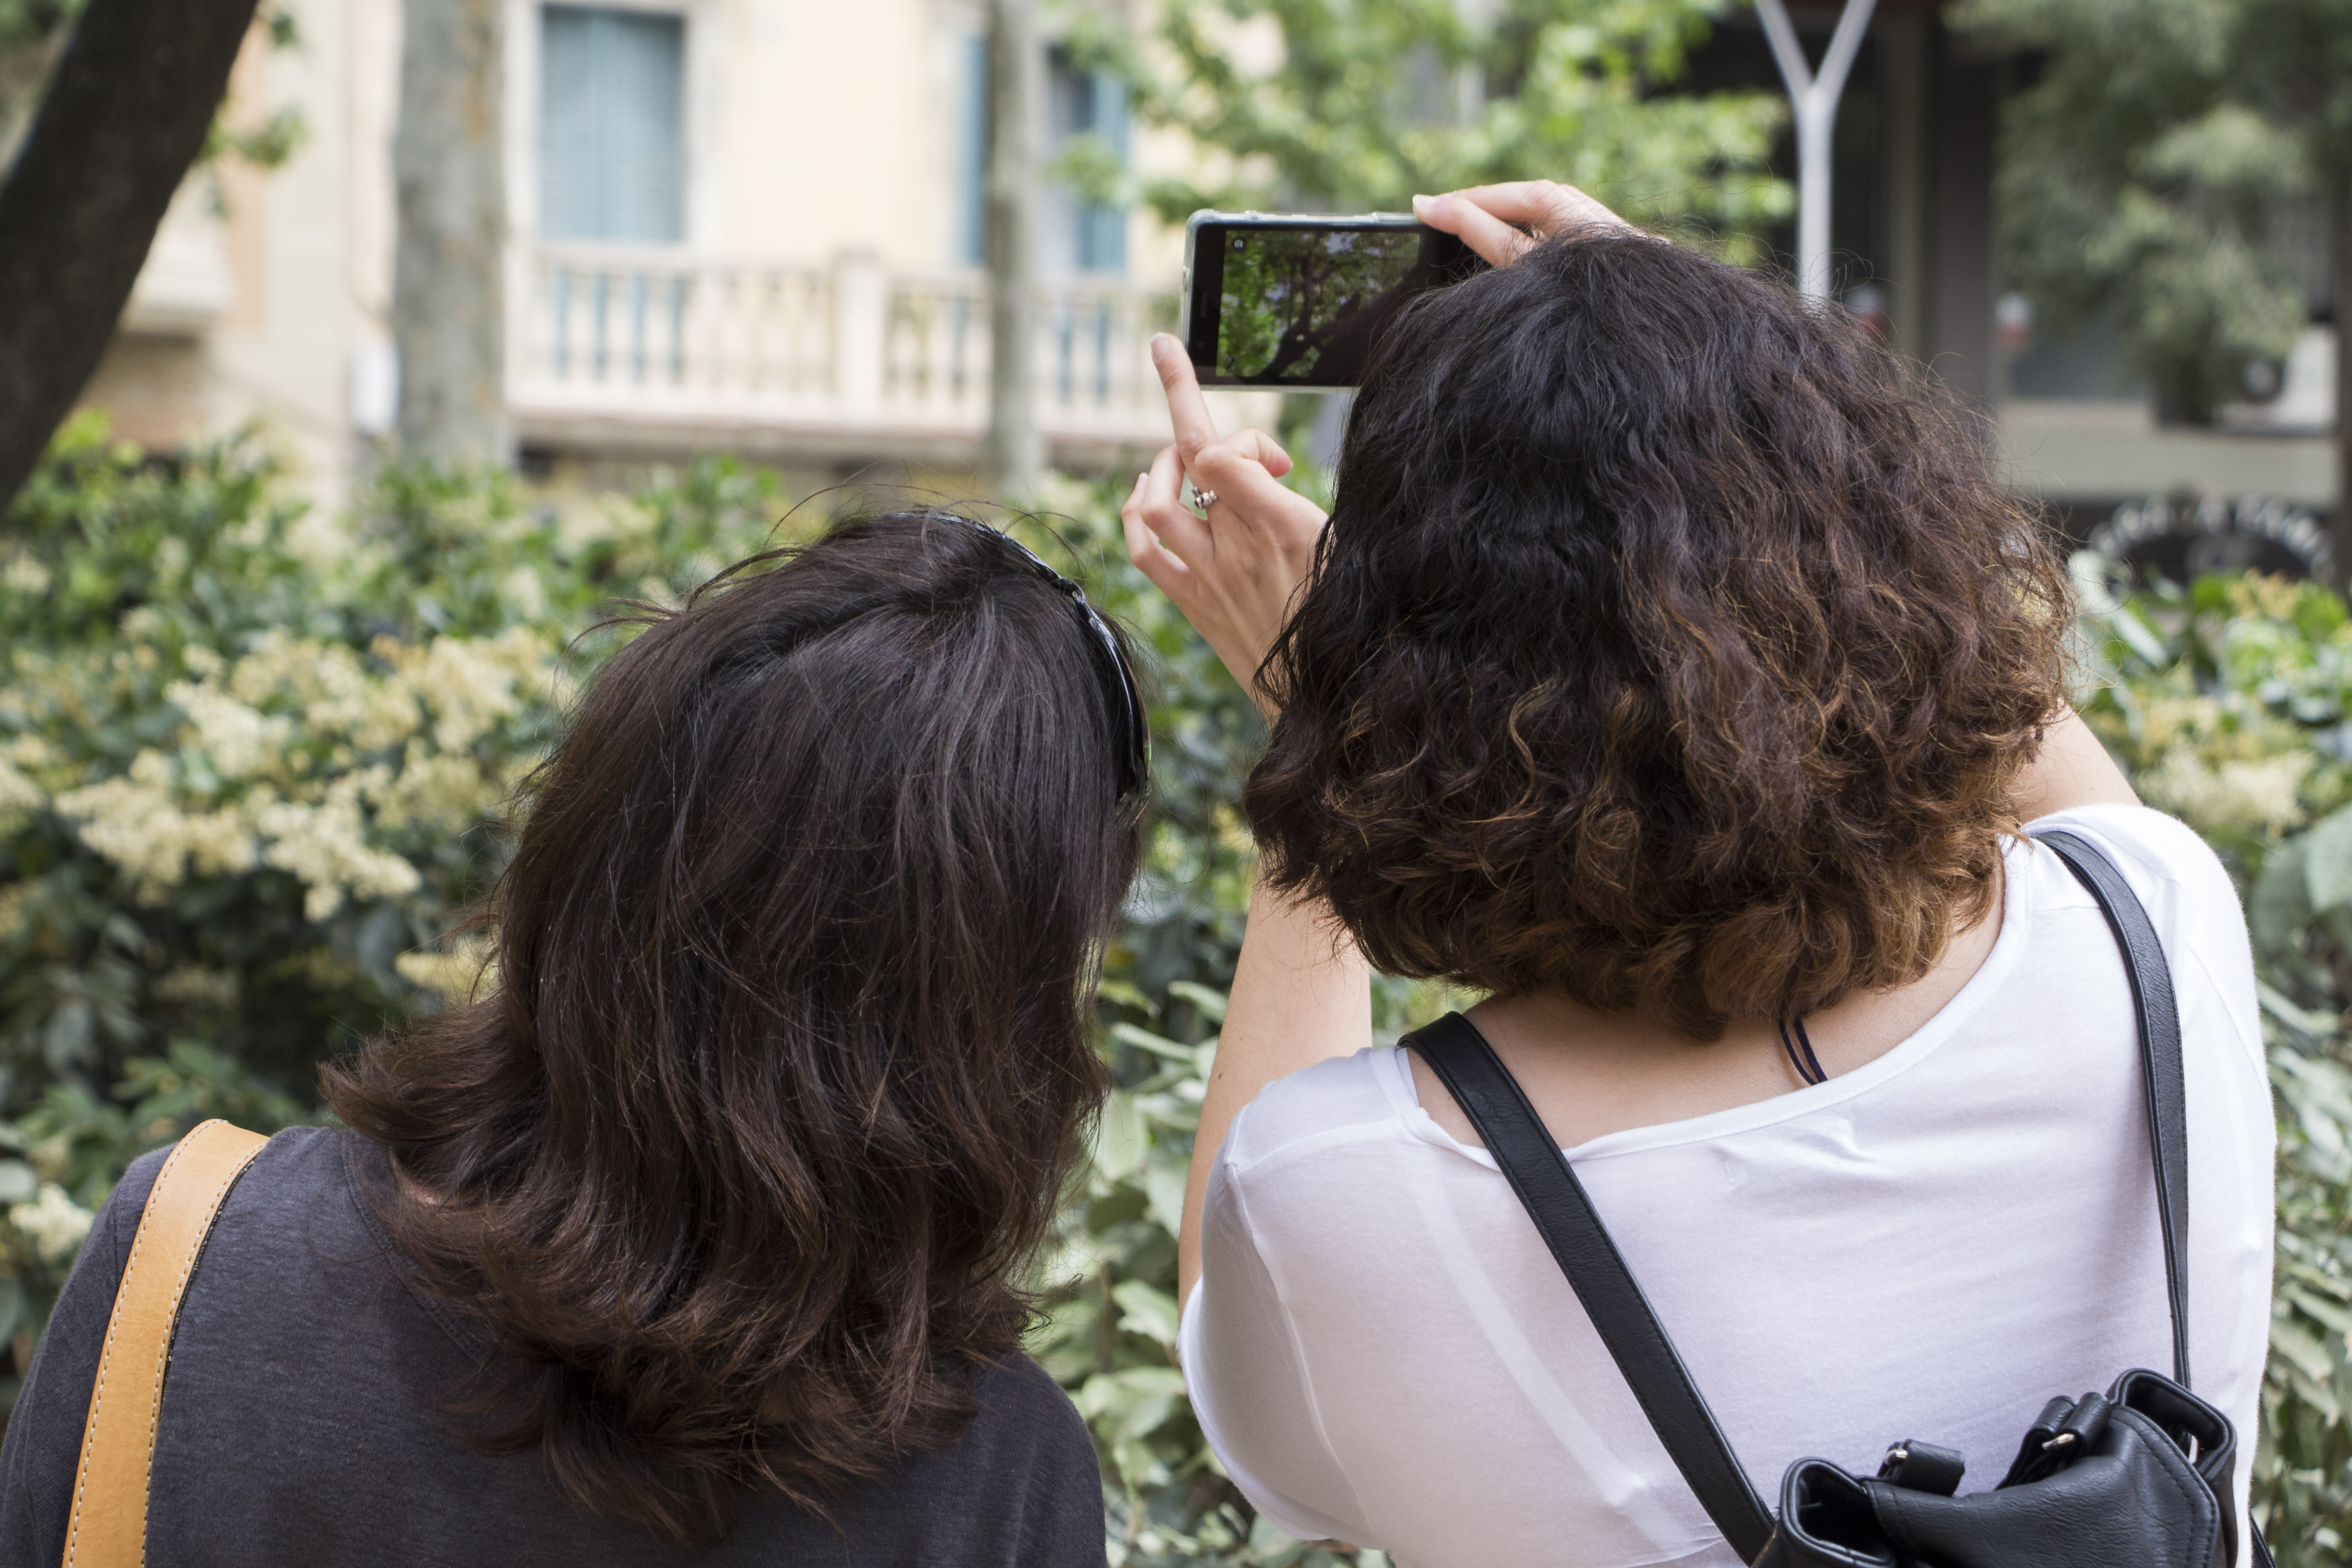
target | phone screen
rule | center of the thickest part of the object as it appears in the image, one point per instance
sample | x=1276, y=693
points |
x=1278, y=304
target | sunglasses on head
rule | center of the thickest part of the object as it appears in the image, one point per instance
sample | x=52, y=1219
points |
x=1135, y=757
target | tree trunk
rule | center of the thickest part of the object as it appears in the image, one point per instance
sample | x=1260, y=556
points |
x=448, y=291
x=1016, y=456
x=125, y=115
x=2339, y=526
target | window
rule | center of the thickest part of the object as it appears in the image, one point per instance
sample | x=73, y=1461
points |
x=1087, y=236
x=611, y=138
x=975, y=151
x=1090, y=103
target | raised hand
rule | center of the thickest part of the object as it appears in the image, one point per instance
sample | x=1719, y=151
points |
x=1501, y=222
x=1236, y=571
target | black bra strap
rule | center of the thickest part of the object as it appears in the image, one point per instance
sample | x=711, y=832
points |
x=1807, y=1065
x=1556, y=1201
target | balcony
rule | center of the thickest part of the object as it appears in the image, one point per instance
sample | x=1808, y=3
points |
x=651, y=351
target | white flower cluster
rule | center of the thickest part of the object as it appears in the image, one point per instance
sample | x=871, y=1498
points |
x=24, y=574
x=468, y=971
x=194, y=985
x=472, y=685
x=2240, y=797
x=136, y=823
x=239, y=738
x=325, y=844
x=2222, y=767
x=301, y=756
x=53, y=1222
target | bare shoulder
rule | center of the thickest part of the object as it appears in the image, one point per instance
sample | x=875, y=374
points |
x=2072, y=768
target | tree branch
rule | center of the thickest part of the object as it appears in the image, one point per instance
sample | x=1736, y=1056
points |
x=125, y=115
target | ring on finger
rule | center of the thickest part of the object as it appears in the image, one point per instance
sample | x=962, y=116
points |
x=1201, y=498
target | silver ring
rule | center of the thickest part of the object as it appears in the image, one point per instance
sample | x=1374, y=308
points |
x=1203, y=499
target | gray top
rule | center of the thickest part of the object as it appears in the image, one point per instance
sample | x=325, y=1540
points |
x=303, y=1422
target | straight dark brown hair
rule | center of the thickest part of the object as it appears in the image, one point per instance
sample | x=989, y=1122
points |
x=787, y=1054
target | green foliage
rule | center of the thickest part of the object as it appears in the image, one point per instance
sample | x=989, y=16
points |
x=58, y=1161
x=2171, y=167
x=31, y=23
x=34, y=32
x=2229, y=704
x=248, y=756
x=1110, y=1337
x=265, y=145
x=1355, y=105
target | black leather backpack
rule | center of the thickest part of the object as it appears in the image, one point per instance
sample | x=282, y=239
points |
x=2139, y=1476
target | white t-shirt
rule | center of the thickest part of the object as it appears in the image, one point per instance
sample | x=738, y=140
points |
x=1381, y=1351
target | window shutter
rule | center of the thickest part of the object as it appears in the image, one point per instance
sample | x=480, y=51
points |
x=611, y=124
x=974, y=172
x=1102, y=230
x=569, y=157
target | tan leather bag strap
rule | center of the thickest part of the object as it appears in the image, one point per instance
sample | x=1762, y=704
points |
x=109, y=1527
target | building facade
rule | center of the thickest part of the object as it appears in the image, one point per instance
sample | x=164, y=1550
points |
x=754, y=225
x=740, y=225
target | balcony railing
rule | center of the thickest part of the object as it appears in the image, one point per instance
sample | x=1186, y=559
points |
x=642, y=343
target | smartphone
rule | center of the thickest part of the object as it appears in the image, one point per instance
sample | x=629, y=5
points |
x=1295, y=303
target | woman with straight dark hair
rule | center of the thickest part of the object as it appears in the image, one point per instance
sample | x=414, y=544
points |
x=702, y=1235
x=1675, y=672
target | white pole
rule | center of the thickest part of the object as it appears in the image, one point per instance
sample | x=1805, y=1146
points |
x=1815, y=101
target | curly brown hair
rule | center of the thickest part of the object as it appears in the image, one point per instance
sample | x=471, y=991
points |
x=1671, y=644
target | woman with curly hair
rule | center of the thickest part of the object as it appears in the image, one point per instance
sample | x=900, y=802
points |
x=1673, y=672
x=702, y=1235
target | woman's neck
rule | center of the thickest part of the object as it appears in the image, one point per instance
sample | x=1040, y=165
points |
x=1590, y=1073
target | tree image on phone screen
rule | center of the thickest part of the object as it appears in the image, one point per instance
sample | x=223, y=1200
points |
x=1301, y=305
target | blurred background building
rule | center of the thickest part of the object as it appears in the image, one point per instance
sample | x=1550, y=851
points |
x=733, y=225
x=756, y=226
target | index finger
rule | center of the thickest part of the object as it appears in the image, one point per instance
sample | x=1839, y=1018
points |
x=1188, y=411
x=1497, y=242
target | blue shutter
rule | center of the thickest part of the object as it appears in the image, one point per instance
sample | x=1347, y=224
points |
x=570, y=160
x=611, y=133
x=973, y=240
x=1102, y=230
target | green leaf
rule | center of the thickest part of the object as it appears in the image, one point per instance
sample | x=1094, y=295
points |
x=2327, y=861
x=1131, y=1402
x=1120, y=993
x=2136, y=636
x=2281, y=905
x=1121, y=1140
x=1163, y=1185
x=2302, y=1349
x=2336, y=1315
x=1211, y=1005
x=2316, y=1393
x=1158, y=1045
x=2315, y=1025
x=1146, y=1310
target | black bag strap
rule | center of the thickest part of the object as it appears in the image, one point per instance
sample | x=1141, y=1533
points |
x=2161, y=1075
x=1491, y=1097
x=1556, y=1201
